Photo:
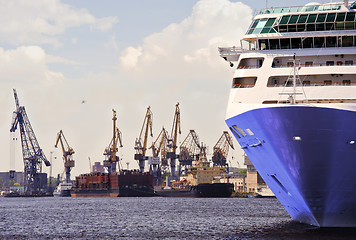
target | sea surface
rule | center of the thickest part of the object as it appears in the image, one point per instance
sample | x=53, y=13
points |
x=154, y=218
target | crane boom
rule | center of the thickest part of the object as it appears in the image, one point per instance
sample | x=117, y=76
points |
x=221, y=149
x=172, y=142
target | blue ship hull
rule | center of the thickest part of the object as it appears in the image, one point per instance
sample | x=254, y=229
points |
x=307, y=156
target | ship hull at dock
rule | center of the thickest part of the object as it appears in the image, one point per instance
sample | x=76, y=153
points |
x=203, y=190
x=123, y=184
x=306, y=155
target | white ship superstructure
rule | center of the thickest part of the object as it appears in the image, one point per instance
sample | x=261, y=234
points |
x=292, y=107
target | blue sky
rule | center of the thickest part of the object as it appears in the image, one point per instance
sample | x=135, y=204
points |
x=124, y=55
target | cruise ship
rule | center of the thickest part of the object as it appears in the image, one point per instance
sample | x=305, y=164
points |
x=292, y=107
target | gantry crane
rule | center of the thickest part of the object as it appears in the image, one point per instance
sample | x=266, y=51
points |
x=67, y=154
x=141, y=141
x=189, y=151
x=172, y=142
x=221, y=149
x=31, y=151
x=111, y=159
x=159, y=165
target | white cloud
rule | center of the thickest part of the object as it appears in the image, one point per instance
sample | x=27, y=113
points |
x=38, y=22
x=212, y=23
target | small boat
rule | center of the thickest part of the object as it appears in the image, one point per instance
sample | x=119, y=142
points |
x=63, y=190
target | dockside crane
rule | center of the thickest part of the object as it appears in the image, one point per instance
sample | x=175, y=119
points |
x=189, y=151
x=221, y=149
x=111, y=159
x=141, y=141
x=67, y=154
x=159, y=162
x=172, y=142
x=33, y=156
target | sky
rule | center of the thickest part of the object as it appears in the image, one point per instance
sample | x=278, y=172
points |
x=72, y=62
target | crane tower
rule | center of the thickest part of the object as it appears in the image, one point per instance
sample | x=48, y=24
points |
x=189, y=150
x=67, y=154
x=141, y=141
x=33, y=155
x=172, y=142
x=221, y=149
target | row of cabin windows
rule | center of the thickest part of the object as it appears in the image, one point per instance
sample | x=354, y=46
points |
x=304, y=22
x=311, y=64
x=240, y=83
x=313, y=8
x=309, y=42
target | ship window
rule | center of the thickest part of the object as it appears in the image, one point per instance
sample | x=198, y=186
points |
x=321, y=18
x=274, y=43
x=308, y=64
x=306, y=83
x=234, y=132
x=347, y=41
x=301, y=27
x=340, y=17
x=285, y=43
x=349, y=25
x=331, y=17
x=311, y=18
x=249, y=132
x=349, y=63
x=331, y=41
x=292, y=28
x=296, y=42
x=284, y=19
x=350, y=16
x=319, y=42
x=239, y=130
x=283, y=28
x=346, y=82
x=262, y=44
x=308, y=43
x=330, y=63
x=293, y=19
x=289, y=64
x=244, y=82
x=327, y=83
x=303, y=18
x=340, y=26
x=330, y=26
x=310, y=27
x=270, y=22
x=320, y=27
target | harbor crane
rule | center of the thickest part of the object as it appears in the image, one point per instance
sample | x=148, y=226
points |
x=221, y=149
x=67, y=154
x=189, y=150
x=111, y=159
x=172, y=142
x=33, y=156
x=141, y=141
x=159, y=165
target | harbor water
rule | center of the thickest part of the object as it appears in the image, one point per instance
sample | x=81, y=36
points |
x=154, y=218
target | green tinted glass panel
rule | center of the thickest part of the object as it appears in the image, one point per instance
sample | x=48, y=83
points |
x=302, y=18
x=255, y=23
x=293, y=9
x=293, y=19
x=265, y=30
x=257, y=31
x=321, y=18
x=250, y=31
x=272, y=30
x=309, y=9
x=330, y=17
x=336, y=7
x=284, y=19
x=261, y=23
x=311, y=18
x=350, y=16
x=340, y=17
x=270, y=22
x=277, y=10
x=349, y=25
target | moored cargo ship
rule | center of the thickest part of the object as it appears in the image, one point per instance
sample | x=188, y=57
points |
x=126, y=183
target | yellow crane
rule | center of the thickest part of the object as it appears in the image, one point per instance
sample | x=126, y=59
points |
x=159, y=164
x=111, y=159
x=141, y=141
x=172, y=142
x=67, y=154
x=221, y=149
